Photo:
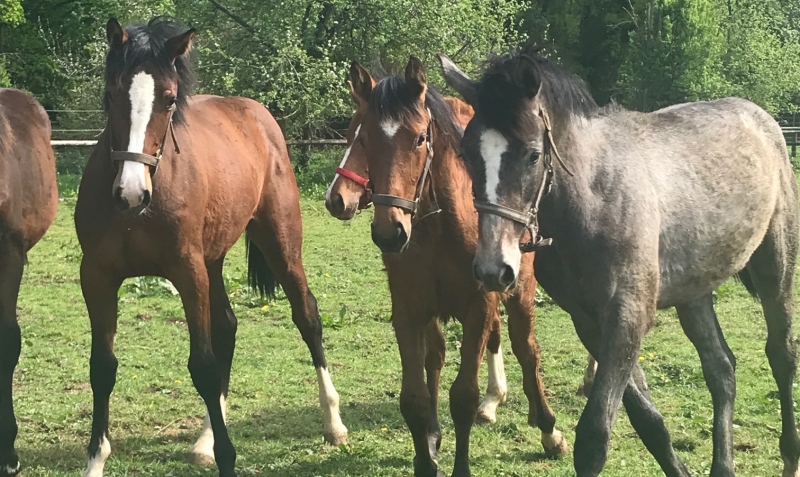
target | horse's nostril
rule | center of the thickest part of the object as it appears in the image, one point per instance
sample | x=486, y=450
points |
x=146, y=198
x=337, y=204
x=402, y=237
x=507, y=276
x=121, y=201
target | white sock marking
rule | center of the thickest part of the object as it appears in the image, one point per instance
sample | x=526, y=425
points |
x=205, y=443
x=497, y=389
x=132, y=180
x=98, y=461
x=493, y=145
x=390, y=127
x=341, y=164
x=329, y=402
x=11, y=470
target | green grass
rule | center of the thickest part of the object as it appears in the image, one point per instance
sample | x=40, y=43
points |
x=275, y=422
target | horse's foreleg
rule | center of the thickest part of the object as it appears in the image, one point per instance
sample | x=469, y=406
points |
x=12, y=260
x=434, y=361
x=465, y=393
x=521, y=329
x=191, y=279
x=497, y=388
x=223, y=341
x=100, y=293
x=415, y=399
x=625, y=323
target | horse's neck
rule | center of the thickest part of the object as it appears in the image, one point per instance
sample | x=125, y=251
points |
x=452, y=184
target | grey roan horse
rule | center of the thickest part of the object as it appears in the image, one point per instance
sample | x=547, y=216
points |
x=645, y=211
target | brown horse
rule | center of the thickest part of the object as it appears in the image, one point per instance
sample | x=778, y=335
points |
x=28, y=204
x=410, y=135
x=349, y=192
x=225, y=169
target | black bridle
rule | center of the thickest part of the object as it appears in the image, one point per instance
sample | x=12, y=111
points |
x=142, y=158
x=530, y=219
x=412, y=206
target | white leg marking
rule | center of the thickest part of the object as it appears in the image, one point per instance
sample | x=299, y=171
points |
x=496, y=391
x=132, y=180
x=390, y=127
x=203, y=450
x=554, y=444
x=11, y=470
x=341, y=164
x=335, y=432
x=493, y=145
x=98, y=461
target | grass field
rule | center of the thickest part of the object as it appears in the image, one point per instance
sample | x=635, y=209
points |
x=274, y=418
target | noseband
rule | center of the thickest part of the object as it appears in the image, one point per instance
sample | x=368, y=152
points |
x=530, y=219
x=152, y=161
x=412, y=206
x=362, y=181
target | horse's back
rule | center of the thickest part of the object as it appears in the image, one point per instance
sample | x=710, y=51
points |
x=28, y=188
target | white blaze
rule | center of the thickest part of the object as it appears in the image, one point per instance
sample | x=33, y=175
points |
x=98, y=461
x=390, y=127
x=493, y=145
x=133, y=180
x=341, y=164
x=205, y=443
x=329, y=402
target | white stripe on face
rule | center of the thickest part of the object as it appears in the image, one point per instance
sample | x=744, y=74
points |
x=341, y=164
x=493, y=145
x=390, y=127
x=132, y=179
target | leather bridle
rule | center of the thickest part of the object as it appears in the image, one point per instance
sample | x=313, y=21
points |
x=362, y=181
x=147, y=159
x=530, y=219
x=412, y=206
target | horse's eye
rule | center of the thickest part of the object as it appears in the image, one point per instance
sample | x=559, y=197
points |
x=534, y=156
x=421, y=139
x=171, y=102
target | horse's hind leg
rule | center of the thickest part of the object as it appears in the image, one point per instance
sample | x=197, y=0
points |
x=497, y=388
x=223, y=341
x=12, y=260
x=279, y=238
x=772, y=268
x=434, y=361
x=100, y=287
x=700, y=324
x=521, y=329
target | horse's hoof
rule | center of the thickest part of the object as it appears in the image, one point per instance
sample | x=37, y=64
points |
x=336, y=438
x=11, y=470
x=485, y=417
x=555, y=445
x=199, y=458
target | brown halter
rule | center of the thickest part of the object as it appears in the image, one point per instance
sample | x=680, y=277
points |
x=531, y=219
x=412, y=206
x=152, y=161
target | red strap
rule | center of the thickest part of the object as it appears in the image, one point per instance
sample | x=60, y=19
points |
x=353, y=177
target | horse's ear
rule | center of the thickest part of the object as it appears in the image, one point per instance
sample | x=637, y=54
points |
x=416, y=78
x=458, y=80
x=116, y=35
x=528, y=78
x=361, y=83
x=179, y=45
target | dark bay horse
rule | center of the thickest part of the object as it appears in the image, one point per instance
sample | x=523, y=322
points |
x=349, y=192
x=28, y=204
x=644, y=211
x=225, y=169
x=409, y=135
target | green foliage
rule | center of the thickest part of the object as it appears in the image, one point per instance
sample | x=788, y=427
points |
x=11, y=12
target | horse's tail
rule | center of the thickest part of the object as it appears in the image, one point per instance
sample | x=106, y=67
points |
x=745, y=279
x=259, y=275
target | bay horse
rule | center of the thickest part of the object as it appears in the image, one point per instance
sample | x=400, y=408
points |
x=172, y=184
x=28, y=204
x=349, y=192
x=643, y=211
x=409, y=135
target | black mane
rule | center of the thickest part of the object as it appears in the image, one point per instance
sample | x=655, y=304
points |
x=145, y=43
x=391, y=99
x=502, y=97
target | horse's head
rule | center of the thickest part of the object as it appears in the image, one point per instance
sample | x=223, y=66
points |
x=395, y=134
x=502, y=147
x=147, y=81
x=349, y=190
